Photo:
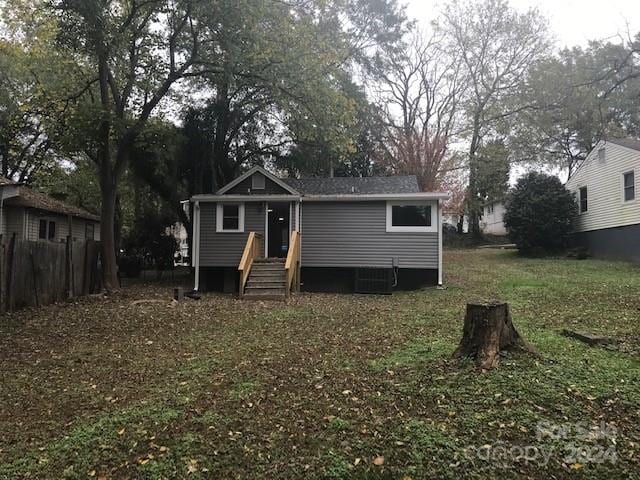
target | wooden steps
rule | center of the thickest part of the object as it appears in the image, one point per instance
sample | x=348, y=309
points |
x=267, y=280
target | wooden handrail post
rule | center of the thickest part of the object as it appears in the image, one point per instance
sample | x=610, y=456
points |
x=293, y=261
x=252, y=250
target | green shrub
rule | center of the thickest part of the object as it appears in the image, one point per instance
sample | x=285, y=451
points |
x=539, y=214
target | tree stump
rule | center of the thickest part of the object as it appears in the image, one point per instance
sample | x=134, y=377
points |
x=487, y=331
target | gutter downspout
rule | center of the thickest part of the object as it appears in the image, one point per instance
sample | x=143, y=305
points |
x=196, y=245
x=440, y=244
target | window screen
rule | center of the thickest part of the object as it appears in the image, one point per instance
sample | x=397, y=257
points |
x=89, y=231
x=583, y=200
x=230, y=217
x=42, y=230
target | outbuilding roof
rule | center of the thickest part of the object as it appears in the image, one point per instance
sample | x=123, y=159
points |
x=354, y=185
x=5, y=181
x=32, y=199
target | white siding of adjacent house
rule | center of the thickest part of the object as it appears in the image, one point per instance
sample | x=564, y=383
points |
x=606, y=207
x=493, y=222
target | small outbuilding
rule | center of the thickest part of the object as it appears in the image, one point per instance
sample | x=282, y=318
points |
x=31, y=215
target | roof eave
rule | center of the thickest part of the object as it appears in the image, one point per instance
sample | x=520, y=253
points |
x=214, y=197
x=376, y=196
x=354, y=197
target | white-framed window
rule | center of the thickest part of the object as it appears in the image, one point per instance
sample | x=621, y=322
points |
x=230, y=217
x=412, y=217
x=583, y=200
x=490, y=208
x=628, y=186
x=257, y=181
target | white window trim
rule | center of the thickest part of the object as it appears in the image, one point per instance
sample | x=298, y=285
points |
x=635, y=187
x=240, y=228
x=580, y=211
x=430, y=229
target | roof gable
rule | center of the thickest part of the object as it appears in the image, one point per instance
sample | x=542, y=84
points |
x=592, y=156
x=246, y=177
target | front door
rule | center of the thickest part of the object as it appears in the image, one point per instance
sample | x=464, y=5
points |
x=277, y=235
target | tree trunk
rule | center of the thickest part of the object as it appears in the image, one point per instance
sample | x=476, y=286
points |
x=107, y=235
x=488, y=330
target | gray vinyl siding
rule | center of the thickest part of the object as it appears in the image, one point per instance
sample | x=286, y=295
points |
x=225, y=249
x=353, y=234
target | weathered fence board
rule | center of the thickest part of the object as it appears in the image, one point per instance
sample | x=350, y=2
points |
x=40, y=273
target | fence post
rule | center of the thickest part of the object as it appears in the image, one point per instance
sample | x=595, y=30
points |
x=10, y=272
x=3, y=273
x=69, y=267
x=86, y=287
x=34, y=272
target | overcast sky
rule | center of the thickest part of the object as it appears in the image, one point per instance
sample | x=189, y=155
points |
x=573, y=22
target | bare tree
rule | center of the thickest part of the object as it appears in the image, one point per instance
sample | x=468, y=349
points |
x=420, y=96
x=498, y=46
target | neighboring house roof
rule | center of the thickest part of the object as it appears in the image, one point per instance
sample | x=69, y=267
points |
x=355, y=185
x=32, y=199
x=626, y=142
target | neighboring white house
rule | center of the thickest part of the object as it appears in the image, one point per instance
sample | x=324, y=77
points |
x=453, y=218
x=606, y=188
x=179, y=232
x=492, y=221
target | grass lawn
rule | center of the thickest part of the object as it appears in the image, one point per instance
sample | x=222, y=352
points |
x=328, y=386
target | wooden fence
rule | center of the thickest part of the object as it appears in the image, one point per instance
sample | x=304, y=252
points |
x=40, y=273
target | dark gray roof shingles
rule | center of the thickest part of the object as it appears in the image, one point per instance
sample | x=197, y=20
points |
x=354, y=185
x=626, y=142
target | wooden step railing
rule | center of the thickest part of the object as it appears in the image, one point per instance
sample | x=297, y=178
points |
x=292, y=265
x=252, y=250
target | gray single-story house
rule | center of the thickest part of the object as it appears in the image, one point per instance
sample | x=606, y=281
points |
x=31, y=215
x=263, y=236
x=606, y=187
